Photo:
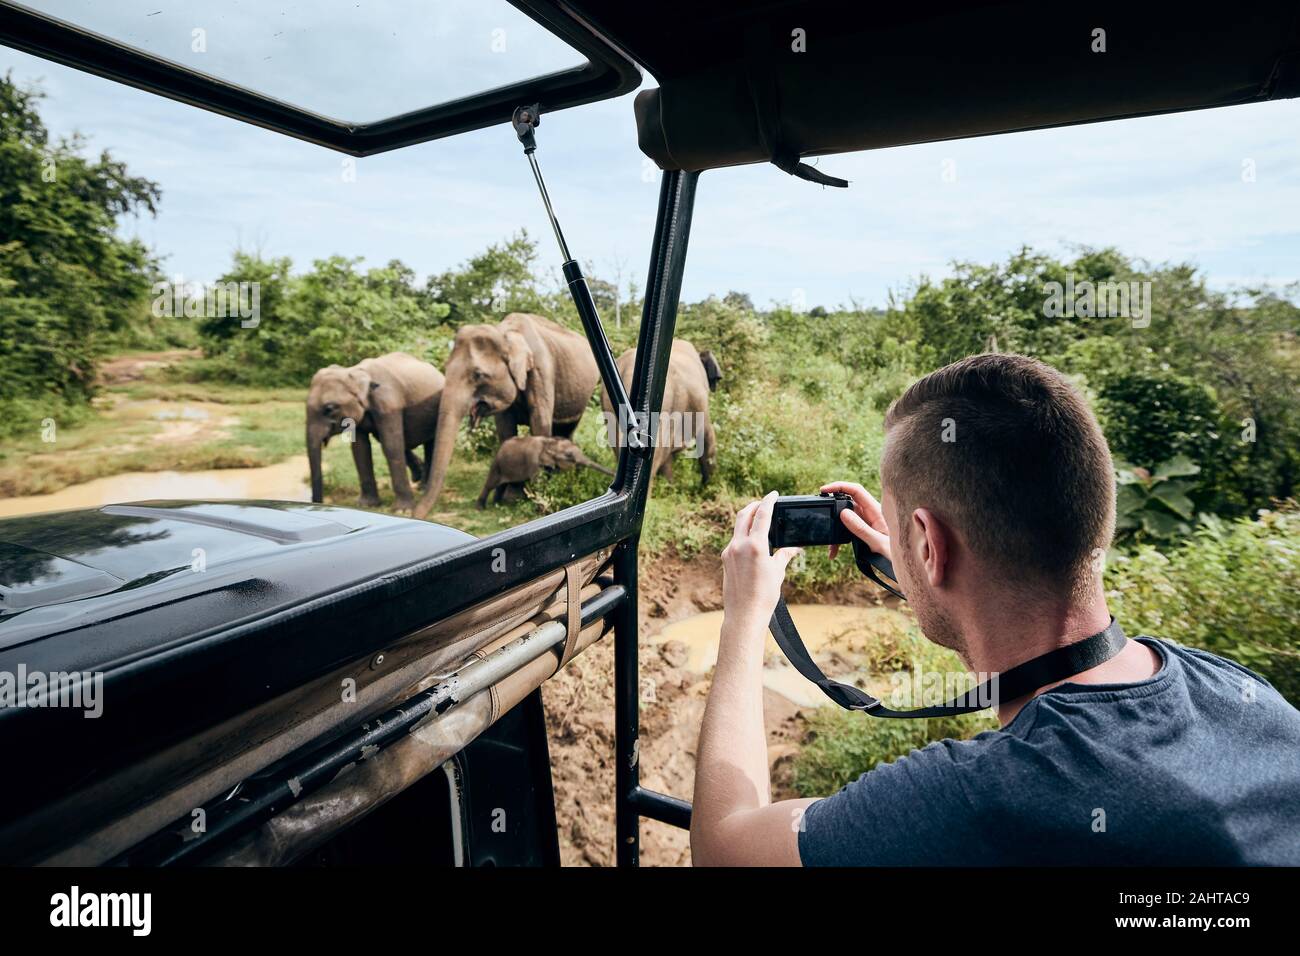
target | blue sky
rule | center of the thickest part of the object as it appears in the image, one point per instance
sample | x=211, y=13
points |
x=1163, y=189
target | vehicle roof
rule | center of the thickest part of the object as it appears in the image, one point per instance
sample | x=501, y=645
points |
x=740, y=82
x=744, y=80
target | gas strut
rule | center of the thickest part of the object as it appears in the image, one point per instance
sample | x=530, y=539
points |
x=525, y=121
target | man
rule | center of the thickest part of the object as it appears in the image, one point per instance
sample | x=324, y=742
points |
x=997, y=506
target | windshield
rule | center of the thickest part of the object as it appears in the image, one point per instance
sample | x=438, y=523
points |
x=342, y=60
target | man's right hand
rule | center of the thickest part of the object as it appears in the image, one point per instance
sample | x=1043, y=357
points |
x=866, y=520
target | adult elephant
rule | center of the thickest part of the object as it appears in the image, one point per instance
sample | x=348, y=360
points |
x=525, y=370
x=685, y=413
x=396, y=398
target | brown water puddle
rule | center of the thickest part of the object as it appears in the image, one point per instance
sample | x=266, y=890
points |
x=285, y=481
x=841, y=632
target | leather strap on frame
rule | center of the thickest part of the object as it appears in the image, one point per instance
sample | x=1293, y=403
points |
x=573, y=596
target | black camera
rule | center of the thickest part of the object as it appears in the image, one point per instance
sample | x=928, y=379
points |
x=809, y=520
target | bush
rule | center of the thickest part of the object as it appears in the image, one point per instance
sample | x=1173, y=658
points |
x=731, y=330
x=1233, y=589
x=1155, y=416
x=334, y=314
x=68, y=281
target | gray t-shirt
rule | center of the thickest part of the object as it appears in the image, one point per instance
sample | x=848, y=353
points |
x=1198, y=764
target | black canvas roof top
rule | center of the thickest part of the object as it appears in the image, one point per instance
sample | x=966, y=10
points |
x=744, y=80
x=742, y=83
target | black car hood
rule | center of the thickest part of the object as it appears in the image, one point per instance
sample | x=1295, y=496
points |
x=70, y=569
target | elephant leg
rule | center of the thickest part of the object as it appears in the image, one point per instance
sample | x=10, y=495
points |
x=709, y=458
x=413, y=463
x=506, y=425
x=392, y=441
x=493, y=483
x=428, y=465
x=541, y=406
x=666, y=467
x=361, y=457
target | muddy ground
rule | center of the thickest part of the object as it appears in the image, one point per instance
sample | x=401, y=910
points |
x=580, y=717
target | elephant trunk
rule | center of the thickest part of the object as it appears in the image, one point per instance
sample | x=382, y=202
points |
x=317, y=433
x=451, y=413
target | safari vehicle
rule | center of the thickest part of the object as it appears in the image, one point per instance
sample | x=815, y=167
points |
x=338, y=686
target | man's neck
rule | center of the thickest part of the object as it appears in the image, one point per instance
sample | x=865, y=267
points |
x=1000, y=637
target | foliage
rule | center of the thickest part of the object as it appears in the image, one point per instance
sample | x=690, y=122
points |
x=335, y=314
x=68, y=282
x=734, y=333
x=491, y=284
x=1233, y=588
x=1207, y=374
x=1155, y=505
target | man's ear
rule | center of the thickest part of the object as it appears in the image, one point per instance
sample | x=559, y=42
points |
x=933, y=543
x=519, y=357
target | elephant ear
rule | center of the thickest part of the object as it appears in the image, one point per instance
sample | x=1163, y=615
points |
x=519, y=357
x=360, y=385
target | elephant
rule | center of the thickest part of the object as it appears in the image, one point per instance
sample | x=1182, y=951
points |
x=685, y=411
x=525, y=370
x=520, y=459
x=711, y=369
x=395, y=397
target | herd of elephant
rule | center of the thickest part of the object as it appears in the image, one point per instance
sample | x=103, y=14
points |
x=525, y=370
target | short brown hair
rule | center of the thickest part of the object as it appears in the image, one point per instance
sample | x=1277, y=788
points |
x=1007, y=451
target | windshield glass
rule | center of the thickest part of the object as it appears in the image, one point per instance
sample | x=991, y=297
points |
x=343, y=60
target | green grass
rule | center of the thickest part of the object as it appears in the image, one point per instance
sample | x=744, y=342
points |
x=244, y=428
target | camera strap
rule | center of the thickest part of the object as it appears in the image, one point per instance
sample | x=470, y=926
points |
x=1055, y=665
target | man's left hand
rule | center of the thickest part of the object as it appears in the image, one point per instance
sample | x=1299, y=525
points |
x=751, y=574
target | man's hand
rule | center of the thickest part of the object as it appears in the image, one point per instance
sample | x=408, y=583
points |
x=751, y=575
x=865, y=521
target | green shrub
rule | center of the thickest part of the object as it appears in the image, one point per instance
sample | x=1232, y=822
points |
x=1155, y=505
x=1155, y=416
x=731, y=330
x=68, y=282
x=1233, y=589
x=334, y=314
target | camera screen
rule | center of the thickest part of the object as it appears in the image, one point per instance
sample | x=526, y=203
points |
x=806, y=526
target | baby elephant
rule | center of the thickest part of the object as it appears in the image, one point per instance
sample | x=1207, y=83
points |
x=521, y=458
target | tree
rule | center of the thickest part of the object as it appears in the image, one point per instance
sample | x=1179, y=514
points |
x=67, y=280
x=335, y=314
x=492, y=283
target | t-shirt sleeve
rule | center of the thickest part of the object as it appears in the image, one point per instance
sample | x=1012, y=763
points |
x=912, y=812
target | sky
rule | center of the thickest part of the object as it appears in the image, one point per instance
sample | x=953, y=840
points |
x=1165, y=189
